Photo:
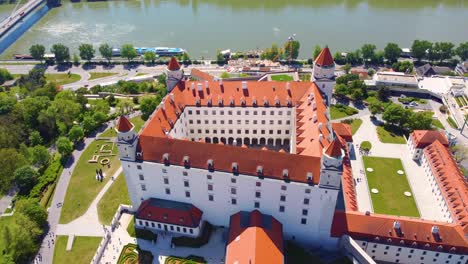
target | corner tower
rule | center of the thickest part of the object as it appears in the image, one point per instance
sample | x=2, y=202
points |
x=127, y=140
x=332, y=165
x=173, y=74
x=323, y=73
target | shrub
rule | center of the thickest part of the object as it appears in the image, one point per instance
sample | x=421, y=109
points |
x=443, y=109
x=366, y=145
x=197, y=241
x=49, y=176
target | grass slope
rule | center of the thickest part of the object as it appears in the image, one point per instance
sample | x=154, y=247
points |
x=387, y=136
x=82, y=251
x=340, y=111
x=62, y=78
x=117, y=194
x=282, y=78
x=97, y=75
x=391, y=186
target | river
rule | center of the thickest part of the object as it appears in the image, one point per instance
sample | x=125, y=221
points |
x=203, y=26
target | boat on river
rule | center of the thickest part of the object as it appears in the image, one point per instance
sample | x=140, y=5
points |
x=160, y=51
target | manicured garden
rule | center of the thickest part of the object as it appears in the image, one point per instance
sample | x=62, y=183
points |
x=97, y=75
x=131, y=254
x=82, y=251
x=83, y=186
x=282, y=78
x=62, y=78
x=187, y=260
x=338, y=111
x=197, y=241
x=117, y=194
x=140, y=233
x=389, y=197
x=389, y=135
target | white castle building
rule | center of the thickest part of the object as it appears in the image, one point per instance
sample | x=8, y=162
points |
x=213, y=151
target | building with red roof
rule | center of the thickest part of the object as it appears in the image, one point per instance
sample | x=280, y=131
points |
x=419, y=139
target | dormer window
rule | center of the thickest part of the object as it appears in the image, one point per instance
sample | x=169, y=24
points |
x=210, y=164
x=309, y=176
x=285, y=173
x=260, y=170
x=186, y=161
x=235, y=167
x=166, y=158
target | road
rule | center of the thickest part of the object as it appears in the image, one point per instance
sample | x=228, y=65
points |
x=19, y=14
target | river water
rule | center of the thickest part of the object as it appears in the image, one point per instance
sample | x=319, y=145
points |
x=203, y=26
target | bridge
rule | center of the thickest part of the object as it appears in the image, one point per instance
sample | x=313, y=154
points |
x=16, y=16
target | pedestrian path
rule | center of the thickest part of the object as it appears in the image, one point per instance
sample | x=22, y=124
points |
x=88, y=224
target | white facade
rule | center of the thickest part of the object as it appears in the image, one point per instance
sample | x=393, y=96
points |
x=164, y=227
x=305, y=211
x=408, y=255
x=173, y=77
x=416, y=153
x=324, y=78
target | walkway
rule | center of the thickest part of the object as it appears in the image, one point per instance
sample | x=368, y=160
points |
x=88, y=224
x=213, y=252
x=419, y=184
x=5, y=201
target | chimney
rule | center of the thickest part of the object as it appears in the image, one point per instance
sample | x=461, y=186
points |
x=200, y=87
x=234, y=167
x=220, y=81
x=171, y=95
x=314, y=105
x=397, y=225
x=166, y=158
x=206, y=84
x=192, y=86
x=285, y=173
x=259, y=170
x=309, y=176
x=320, y=126
x=287, y=86
x=321, y=138
x=314, y=118
x=210, y=164
x=163, y=106
x=435, y=230
x=244, y=85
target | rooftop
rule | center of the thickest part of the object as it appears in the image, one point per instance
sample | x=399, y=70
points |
x=325, y=58
x=170, y=212
x=124, y=125
x=424, y=138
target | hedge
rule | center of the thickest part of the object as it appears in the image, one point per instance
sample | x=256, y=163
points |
x=197, y=241
x=49, y=176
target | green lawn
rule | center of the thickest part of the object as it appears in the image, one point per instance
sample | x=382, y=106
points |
x=117, y=194
x=282, y=78
x=452, y=122
x=62, y=78
x=131, y=228
x=82, y=252
x=83, y=186
x=137, y=122
x=4, y=221
x=340, y=111
x=391, y=186
x=386, y=136
x=437, y=123
x=97, y=75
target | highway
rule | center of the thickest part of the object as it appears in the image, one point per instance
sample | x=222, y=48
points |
x=21, y=12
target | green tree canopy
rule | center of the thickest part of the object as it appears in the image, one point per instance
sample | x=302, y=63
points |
x=149, y=56
x=32, y=209
x=291, y=49
x=392, y=52
x=39, y=155
x=76, y=133
x=61, y=52
x=368, y=52
x=128, y=51
x=5, y=76
x=64, y=146
x=10, y=161
x=147, y=106
x=25, y=178
x=462, y=51
x=316, y=52
x=419, y=49
x=395, y=114
x=37, y=52
x=86, y=52
x=35, y=138
x=7, y=103
x=106, y=51
x=443, y=50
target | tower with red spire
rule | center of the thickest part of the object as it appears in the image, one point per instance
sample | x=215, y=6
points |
x=127, y=139
x=323, y=73
x=174, y=74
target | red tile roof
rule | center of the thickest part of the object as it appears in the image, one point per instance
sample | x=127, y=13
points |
x=324, y=58
x=423, y=138
x=201, y=75
x=310, y=115
x=415, y=233
x=334, y=149
x=451, y=181
x=343, y=130
x=169, y=212
x=254, y=238
x=173, y=64
x=124, y=125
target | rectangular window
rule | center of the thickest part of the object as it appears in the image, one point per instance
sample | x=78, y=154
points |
x=172, y=228
x=258, y=194
x=271, y=131
x=187, y=194
x=233, y=180
x=207, y=131
x=197, y=112
x=229, y=112
x=281, y=208
x=138, y=167
x=223, y=131
x=166, y=180
x=213, y=112
x=205, y=112
x=262, y=132
x=303, y=221
x=198, y=121
x=210, y=187
x=190, y=121
x=305, y=212
x=168, y=191
x=246, y=131
x=239, y=122
x=206, y=122
x=210, y=197
x=258, y=184
x=280, y=122
x=189, y=112
x=255, y=122
x=192, y=131
x=146, y=223
x=272, y=112
x=271, y=122
x=280, y=112
x=214, y=122
x=222, y=122
x=279, y=132
x=215, y=131
x=254, y=131
x=257, y=204
x=139, y=221
x=233, y=191
x=142, y=178
x=164, y=171
x=209, y=177
x=184, y=173
x=184, y=230
x=306, y=200
x=233, y=201
x=283, y=187
x=186, y=184
x=238, y=112
x=246, y=112
x=307, y=190
x=263, y=122
x=178, y=229
x=286, y=132
x=230, y=131
x=221, y=112
x=247, y=122
x=191, y=230
x=159, y=226
x=289, y=113
x=199, y=131
x=239, y=131
x=288, y=122
x=143, y=187
x=283, y=198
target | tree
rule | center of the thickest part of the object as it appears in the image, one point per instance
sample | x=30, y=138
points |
x=459, y=152
x=185, y=57
x=341, y=90
x=347, y=68
x=100, y=117
x=10, y=160
x=106, y=51
x=317, y=50
x=128, y=51
x=147, y=106
x=61, y=52
x=124, y=106
x=392, y=52
x=420, y=120
x=33, y=211
x=76, y=133
x=5, y=76
x=25, y=236
x=64, y=146
x=375, y=107
x=383, y=93
x=378, y=58
x=403, y=66
x=37, y=52
x=89, y=124
x=220, y=59
x=368, y=52
x=462, y=51
x=357, y=95
x=39, y=155
x=25, y=178
x=420, y=48
x=444, y=50
x=354, y=57
x=370, y=72
x=395, y=114
x=150, y=56
x=35, y=138
x=87, y=52
x=291, y=49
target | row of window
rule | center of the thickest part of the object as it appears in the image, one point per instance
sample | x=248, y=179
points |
x=239, y=122
x=239, y=131
x=411, y=251
x=239, y=112
x=166, y=227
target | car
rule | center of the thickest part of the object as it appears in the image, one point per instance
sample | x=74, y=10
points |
x=413, y=104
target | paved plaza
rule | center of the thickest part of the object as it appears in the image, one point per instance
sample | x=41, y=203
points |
x=420, y=186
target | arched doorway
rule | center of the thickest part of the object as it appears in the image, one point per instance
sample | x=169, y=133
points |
x=215, y=140
x=208, y=140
